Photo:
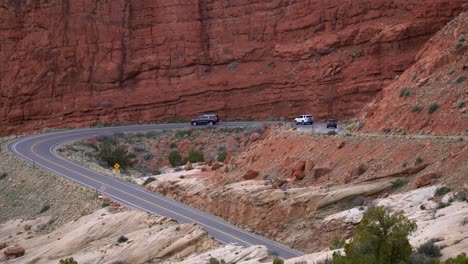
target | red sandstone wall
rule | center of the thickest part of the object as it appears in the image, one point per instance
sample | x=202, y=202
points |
x=66, y=63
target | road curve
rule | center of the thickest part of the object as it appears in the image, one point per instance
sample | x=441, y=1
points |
x=40, y=151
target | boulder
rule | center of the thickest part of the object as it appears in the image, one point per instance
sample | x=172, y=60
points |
x=426, y=179
x=251, y=174
x=27, y=227
x=299, y=166
x=16, y=251
x=216, y=166
x=188, y=166
x=309, y=165
x=298, y=175
x=279, y=183
x=255, y=136
x=359, y=170
x=320, y=172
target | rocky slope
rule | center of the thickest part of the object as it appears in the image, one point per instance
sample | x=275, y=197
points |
x=431, y=96
x=76, y=63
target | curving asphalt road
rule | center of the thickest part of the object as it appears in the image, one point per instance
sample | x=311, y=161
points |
x=40, y=150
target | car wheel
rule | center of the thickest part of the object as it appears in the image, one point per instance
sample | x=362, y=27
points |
x=297, y=123
x=211, y=123
x=194, y=123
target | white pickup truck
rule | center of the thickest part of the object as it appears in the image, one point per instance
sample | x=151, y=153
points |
x=304, y=119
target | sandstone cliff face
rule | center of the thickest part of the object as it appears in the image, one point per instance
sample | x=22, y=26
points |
x=71, y=63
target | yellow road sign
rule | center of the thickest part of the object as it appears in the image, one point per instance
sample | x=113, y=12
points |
x=116, y=167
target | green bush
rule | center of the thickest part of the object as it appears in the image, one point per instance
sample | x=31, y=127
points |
x=175, y=159
x=404, y=92
x=416, y=108
x=418, y=161
x=149, y=180
x=278, y=261
x=194, y=156
x=442, y=191
x=461, y=196
x=430, y=249
x=399, y=183
x=156, y=171
x=183, y=133
x=461, y=79
x=381, y=238
x=68, y=261
x=432, y=108
x=44, y=209
x=451, y=71
x=216, y=261
x=3, y=175
x=460, y=104
x=113, y=154
x=122, y=239
x=460, y=259
x=222, y=155
x=405, y=164
x=331, y=133
x=337, y=243
x=173, y=145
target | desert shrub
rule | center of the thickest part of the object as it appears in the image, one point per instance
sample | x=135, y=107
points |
x=386, y=130
x=399, y=183
x=461, y=79
x=278, y=261
x=173, y=145
x=122, y=239
x=350, y=126
x=148, y=156
x=418, y=160
x=194, y=156
x=44, y=208
x=222, y=155
x=404, y=92
x=441, y=205
x=324, y=261
x=422, y=207
x=405, y=164
x=175, y=159
x=331, y=133
x=432, y=108
x=461, y=38
x=216, y=261
x=451, y=71
x=88, y=145
x=233, y=65
x=381, y=237
x=183, y=133
x=68, y=261
x=119, y=135
x=461, y=196
x=156, y=171
x=430, y=249
x=149, y=180
x=460, y=259
x=105, y=138
x=358, y=201
x=271, y=64
x=152, y=134
x=360, y=125
x=416, y=108
x=460, y=104
x=105, y=204
x=3, y=175
x=337, y=243
x=113, y=154
x=442, y=191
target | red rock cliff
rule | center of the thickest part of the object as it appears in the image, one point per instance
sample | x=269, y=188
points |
x=73, y=63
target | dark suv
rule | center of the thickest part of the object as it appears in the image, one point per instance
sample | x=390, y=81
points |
x=331, y=123
x=208, y=119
